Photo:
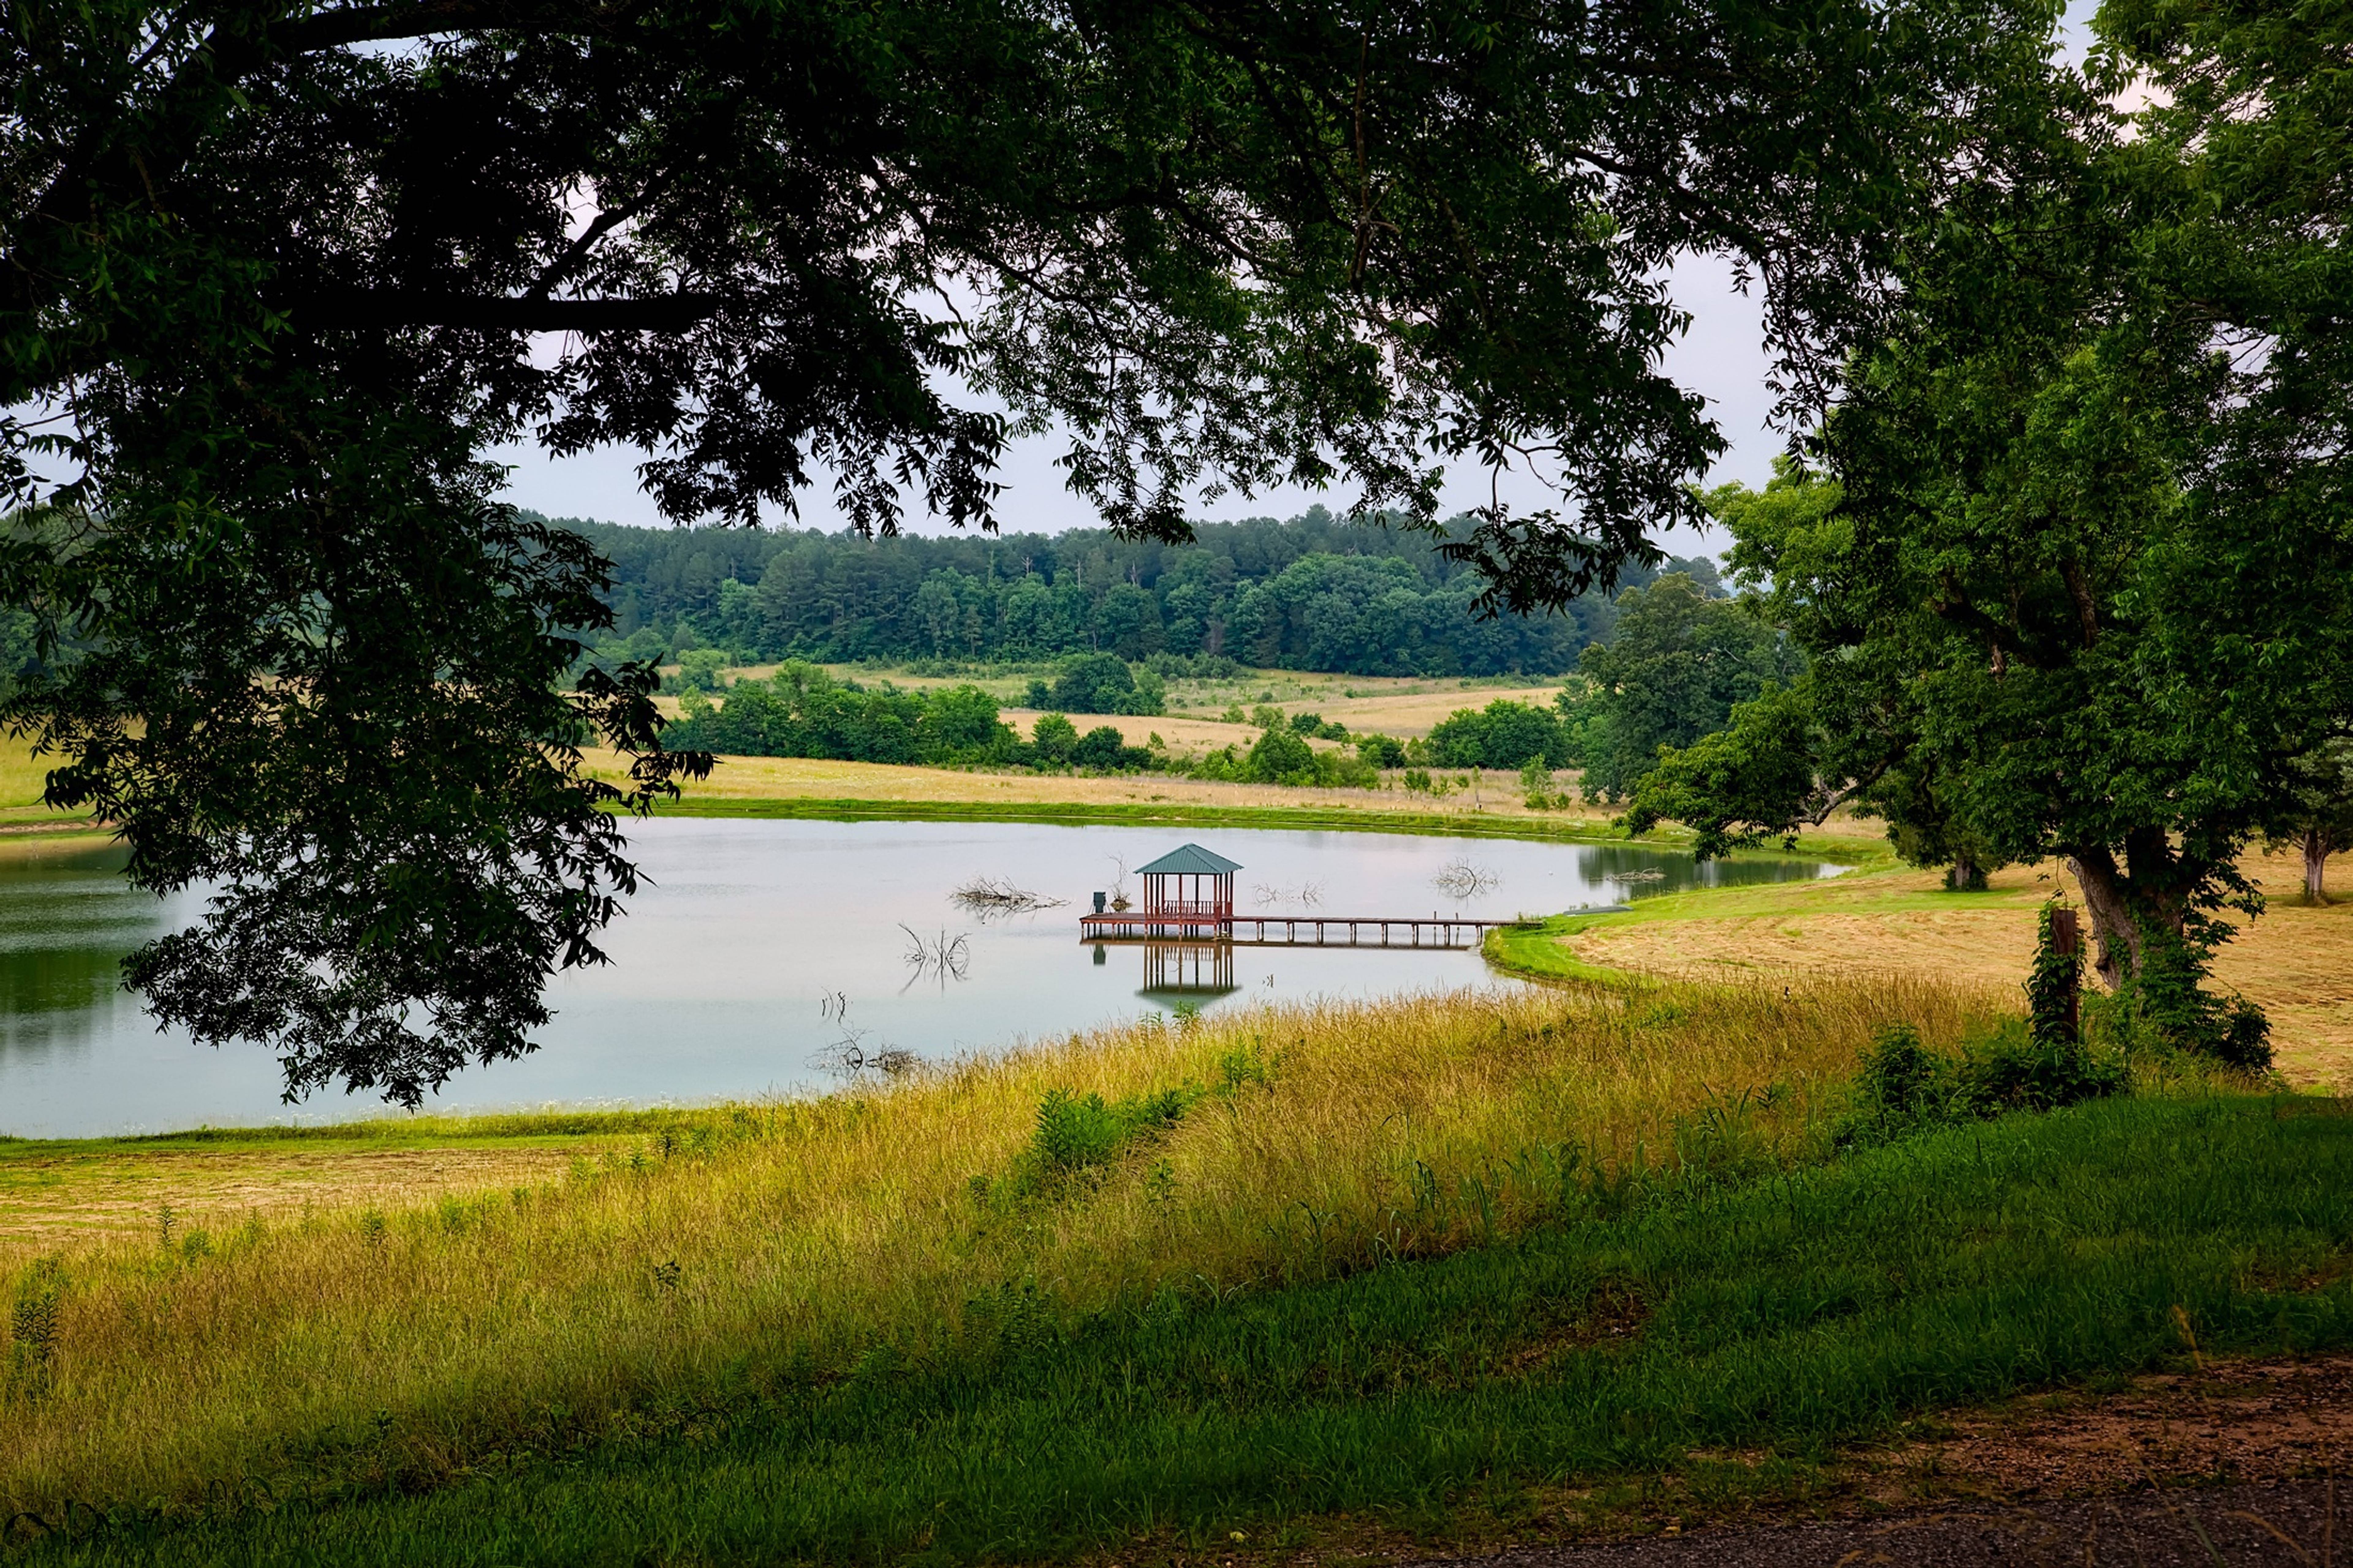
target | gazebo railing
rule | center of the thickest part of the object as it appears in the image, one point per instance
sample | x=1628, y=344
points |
x=1210, y=909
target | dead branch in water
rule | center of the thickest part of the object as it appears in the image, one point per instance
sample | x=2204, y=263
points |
x=990, y=896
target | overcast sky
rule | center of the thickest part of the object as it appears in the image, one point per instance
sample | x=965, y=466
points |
x=1723, y=358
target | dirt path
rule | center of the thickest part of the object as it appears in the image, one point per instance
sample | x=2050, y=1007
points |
x=2226, y=1527
x=2229, y=1464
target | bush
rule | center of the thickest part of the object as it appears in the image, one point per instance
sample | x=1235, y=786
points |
x=2015, y=1069
x=1280, y=757
x=1380, y=751
x=1098, y=748
x=698, y=667
x=1505, y=734
x=1102, y=683
x=1078, y=1136
x=1055, y=737
x=2166, y=1004
x=1903, y=1086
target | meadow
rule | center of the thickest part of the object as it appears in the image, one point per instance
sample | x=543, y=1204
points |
x=1422, y=1273
x=1429, y=1257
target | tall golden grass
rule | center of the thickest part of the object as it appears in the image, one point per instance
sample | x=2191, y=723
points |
x=763, y=1244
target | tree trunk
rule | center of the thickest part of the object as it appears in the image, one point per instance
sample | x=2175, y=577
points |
x=2127, y=903
x=1966, y=874
x=2096, y=873
x=2317, y=849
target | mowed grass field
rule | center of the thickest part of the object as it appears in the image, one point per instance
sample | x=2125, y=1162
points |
x=2297, y=959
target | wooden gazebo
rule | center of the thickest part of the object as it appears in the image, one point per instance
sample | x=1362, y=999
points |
x=1189, y=890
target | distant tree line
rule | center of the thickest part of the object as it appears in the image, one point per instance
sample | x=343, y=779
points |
x=803, y=711
x=1315, y=593
x=1680, y=661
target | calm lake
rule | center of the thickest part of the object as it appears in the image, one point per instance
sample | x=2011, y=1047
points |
x=761, y=949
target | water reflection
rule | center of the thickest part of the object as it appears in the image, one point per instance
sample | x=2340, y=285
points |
x=66, y=919
x=1188, y=972
x=758, y=947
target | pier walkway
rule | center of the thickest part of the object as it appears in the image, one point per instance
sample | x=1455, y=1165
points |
x=1288, y=930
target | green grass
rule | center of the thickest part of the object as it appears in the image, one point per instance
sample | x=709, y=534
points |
x=1775, y=1317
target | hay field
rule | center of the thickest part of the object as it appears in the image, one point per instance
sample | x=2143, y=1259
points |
x=1494, y=794
x=1402, y=705
x=2297, y=959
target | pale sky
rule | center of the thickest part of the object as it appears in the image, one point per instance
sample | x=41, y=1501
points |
x=1723, y=358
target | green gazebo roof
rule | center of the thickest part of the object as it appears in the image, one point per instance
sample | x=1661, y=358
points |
x=1192, y=860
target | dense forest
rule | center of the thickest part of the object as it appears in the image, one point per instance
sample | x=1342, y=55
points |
x=1316, y=592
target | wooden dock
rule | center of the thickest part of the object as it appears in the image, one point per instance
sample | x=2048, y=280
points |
x=1289, y=931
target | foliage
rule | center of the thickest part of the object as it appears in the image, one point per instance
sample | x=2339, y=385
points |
x=1055, y=737
x=281, y=279
x=1903, y=1086
x=2055, y=987
x=1381, y=750
x=1315, y=593
x=1505, y=734
x=1676, y=665
x=1279, y=756
x=2081, y=591
x=2165, y=1004
x=802, y=711
x=1102, y=683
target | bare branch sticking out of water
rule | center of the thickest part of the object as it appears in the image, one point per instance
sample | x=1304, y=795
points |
x=945, y=955
x=852, y=1055
x=1307, y=895
x=1463, y=880
x=991, y=898
x=1644, y=876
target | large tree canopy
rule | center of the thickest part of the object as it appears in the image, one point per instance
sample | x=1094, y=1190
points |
x=279, y=274
x=2082, y=587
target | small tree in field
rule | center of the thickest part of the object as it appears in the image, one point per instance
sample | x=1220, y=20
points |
x=2318, y=820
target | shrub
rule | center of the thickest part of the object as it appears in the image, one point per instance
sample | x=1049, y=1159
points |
x=2166, y=1004
x=1280, y=757
x=1380, y=751
x=1079, y=1135
x=1102, y=683
x=1903, y=1086
x=1055, y=737
x=2017, y=1069
x=1505, y=734
x=1099, y=748
x=698, y=667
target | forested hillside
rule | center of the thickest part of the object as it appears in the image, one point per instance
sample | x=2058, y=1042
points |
x=1315, y=593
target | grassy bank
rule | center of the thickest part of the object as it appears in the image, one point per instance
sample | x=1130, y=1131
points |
x=2296, y=961
x=1677, y=1352
x=730, y=1256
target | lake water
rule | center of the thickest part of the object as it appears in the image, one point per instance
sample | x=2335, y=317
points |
x=759, y=948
